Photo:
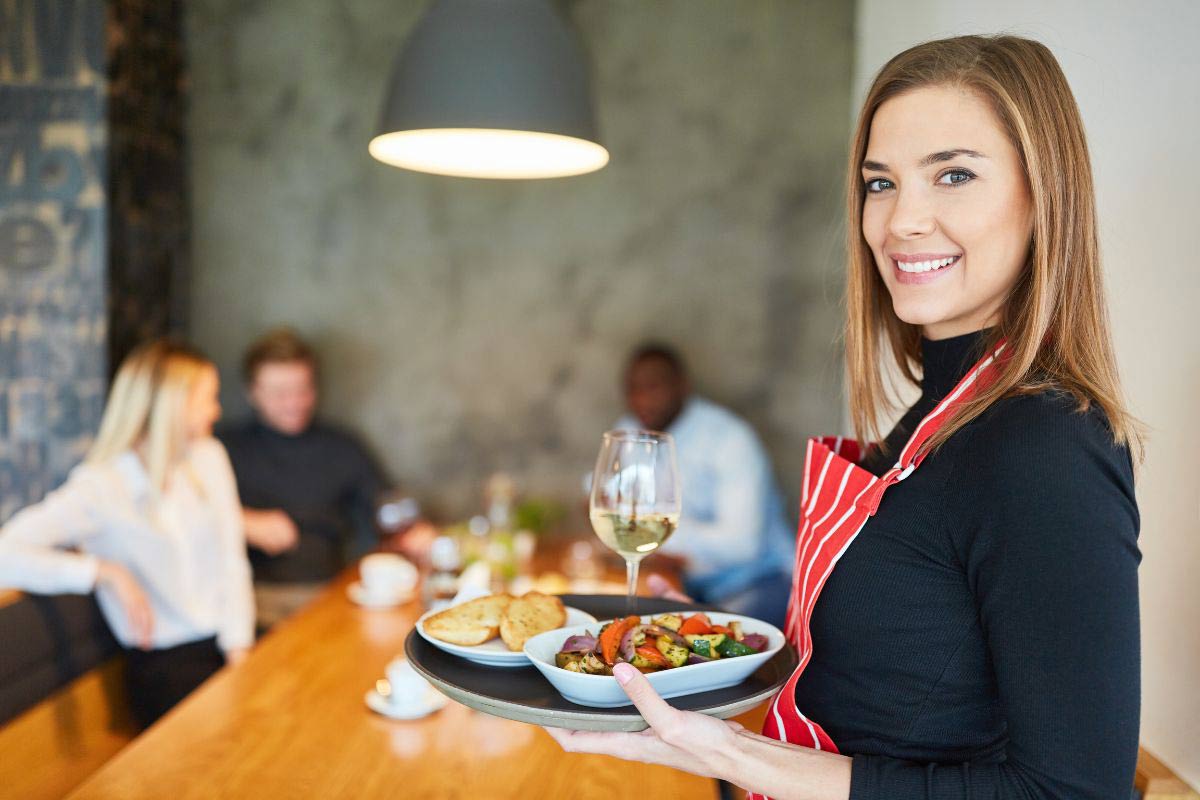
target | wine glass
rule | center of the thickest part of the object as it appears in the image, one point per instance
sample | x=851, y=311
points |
x=635, y=500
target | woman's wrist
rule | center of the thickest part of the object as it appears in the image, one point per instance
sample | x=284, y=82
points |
x=784, y=771
x=103, y=572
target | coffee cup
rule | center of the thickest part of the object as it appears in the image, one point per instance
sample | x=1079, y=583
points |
x=409, y=689
x=386, y=575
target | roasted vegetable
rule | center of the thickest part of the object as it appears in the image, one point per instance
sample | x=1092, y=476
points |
x=648, y=657
x=731, y=648
x=676, y=655
x=669, y=621
x=580, y=643
x=696, y=624
x=755, y=641
x=713, y=641
x=657, y=645
x=610, y=638
x=563, y=659
x=592, y=665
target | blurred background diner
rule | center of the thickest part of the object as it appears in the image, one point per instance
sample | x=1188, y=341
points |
x=421, y=365
x=308, y=489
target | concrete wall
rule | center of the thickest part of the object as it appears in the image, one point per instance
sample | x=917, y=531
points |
x=468, y=326
x=1134, y=70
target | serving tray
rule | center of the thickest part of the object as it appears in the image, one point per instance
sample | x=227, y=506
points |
x=522, y=694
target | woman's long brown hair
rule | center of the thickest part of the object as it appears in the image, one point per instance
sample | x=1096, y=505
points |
x=1056, y=319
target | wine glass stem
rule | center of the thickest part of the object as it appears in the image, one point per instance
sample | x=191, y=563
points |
x=631, y=578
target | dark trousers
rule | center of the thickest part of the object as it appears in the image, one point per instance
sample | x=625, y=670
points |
x=158, y=679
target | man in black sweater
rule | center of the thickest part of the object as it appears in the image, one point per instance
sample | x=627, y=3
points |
x=308, y=490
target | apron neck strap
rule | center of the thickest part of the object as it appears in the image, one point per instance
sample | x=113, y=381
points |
x=981, y=376
x=977, y=379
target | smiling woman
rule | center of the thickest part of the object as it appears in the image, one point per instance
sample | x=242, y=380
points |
x=977, y=630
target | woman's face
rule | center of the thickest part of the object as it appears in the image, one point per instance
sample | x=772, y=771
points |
x=203, y=407
x=947, y=212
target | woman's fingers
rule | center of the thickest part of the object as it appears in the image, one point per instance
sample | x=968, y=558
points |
x=144, y=619
x=644, y=746
x=656, y=711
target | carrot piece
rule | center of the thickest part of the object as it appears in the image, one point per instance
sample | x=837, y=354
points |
x=652, y=655
x=697, y=624
x=610, y=640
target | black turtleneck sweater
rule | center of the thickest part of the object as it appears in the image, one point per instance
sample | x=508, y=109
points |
x=979, y=639
x=323, y=479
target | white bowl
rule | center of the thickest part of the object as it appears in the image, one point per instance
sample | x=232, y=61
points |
x=603, y=691
x=494, y=652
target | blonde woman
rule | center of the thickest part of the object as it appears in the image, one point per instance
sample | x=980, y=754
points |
x=154, y=518
x=965, y=592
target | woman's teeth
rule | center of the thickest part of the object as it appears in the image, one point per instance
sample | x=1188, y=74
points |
x=925, y=266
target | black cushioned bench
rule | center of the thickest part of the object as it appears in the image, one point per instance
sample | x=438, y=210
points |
x=46, y=641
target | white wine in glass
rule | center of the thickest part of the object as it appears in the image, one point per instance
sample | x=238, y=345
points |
x=636, y=498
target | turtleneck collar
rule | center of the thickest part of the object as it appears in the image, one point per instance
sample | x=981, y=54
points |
x=273, y=433
x=946, y=361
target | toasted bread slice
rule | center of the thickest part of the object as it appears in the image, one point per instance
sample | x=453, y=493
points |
x=470, y=623
x=528, y=615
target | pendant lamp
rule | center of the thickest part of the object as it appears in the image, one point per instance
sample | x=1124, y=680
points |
x=490, y=89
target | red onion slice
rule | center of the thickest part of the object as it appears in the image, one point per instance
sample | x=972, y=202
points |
x=579, y=643
x=626, y=648
x=675, y=638
x=755, y=641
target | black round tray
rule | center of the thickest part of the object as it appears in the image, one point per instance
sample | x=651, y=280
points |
x=524, y=695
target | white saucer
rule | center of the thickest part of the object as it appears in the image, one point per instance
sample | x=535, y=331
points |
x=381, y=705
x=359, y=595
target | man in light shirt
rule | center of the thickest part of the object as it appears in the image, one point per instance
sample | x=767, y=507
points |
x=733, y=538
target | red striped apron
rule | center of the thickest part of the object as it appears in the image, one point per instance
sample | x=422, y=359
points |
x=837, y=499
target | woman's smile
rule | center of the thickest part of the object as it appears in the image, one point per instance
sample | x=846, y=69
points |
x=917, y=268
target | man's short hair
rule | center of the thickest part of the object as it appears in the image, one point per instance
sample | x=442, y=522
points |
x=278, y=345
x=648, y=351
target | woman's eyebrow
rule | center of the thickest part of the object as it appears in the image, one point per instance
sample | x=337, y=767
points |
x=929, y=160
x=949, y=155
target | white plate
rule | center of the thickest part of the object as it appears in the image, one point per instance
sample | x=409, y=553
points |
x=494, y=652
x=434, y=701
x=603, y=691
x=360, y=596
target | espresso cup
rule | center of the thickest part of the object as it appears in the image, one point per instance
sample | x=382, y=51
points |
x=409, y=689
x=386, y=575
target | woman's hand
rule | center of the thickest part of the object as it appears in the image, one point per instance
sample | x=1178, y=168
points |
x=713, y=748
x=116, y=579
x=684, y=740
x=236, y=656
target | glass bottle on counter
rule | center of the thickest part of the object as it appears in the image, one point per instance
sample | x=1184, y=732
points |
x=446, y=563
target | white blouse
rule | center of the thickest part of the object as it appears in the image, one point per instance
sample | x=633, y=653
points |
x=187, y=550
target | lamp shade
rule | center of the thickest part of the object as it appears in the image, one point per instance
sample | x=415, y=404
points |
x=490, y=89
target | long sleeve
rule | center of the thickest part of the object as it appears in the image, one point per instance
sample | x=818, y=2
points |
x=30, y=554
x=235, y=628
x=737, y=493
x=366, y=485
x=1048, y=541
